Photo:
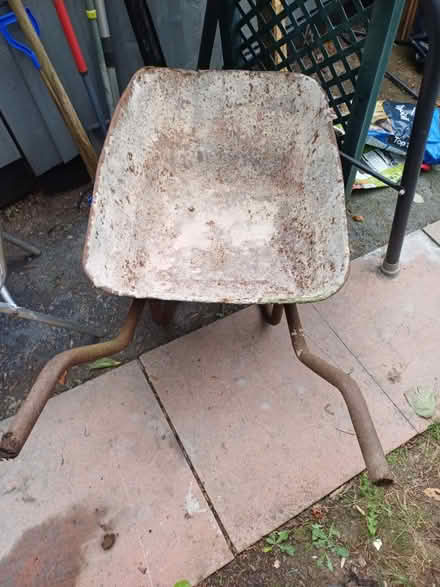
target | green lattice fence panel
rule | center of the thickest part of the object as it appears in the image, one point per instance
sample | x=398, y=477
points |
x=323, y=39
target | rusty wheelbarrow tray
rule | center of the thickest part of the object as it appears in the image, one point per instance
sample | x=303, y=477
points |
x=221, y=186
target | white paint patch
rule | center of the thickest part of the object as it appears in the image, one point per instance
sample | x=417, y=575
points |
x=418, y=199
x=192, y=504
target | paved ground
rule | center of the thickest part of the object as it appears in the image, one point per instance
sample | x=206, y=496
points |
x=166, y=467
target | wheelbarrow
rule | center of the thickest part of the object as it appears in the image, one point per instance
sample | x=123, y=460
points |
x=218, y=186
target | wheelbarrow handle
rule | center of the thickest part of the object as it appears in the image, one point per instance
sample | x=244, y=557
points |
x=10, y=18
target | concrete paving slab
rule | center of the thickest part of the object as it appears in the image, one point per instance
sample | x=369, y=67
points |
x=102, y=495
x=392, y=325
x=267, y=436
x=433, y=230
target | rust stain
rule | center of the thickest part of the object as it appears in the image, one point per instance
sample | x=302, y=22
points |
x=51, y=554
x=214, y=199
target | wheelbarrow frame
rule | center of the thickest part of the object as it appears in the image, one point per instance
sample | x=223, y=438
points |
x=312, y=252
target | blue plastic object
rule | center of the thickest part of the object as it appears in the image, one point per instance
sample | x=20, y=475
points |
x=393, y=131
x=10, y=18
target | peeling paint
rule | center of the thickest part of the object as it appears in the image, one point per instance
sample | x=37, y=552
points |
x=219, y=186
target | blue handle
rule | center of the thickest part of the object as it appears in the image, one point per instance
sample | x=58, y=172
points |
x=10, y=18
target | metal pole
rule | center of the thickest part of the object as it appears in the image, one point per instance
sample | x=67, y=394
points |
x=91, y=15
x=368, y=439
x=416, y=149
x=11, y=308
x=13, y=440
x=81, y=65
x=145, y=32
x=367, y=169
x=21, y=244
x=210, y=22
x=107, y=46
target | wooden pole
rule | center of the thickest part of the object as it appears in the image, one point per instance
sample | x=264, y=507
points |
x=407, y=21
x=56, y=90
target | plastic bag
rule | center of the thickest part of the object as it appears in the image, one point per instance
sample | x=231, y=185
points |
x=391, y=130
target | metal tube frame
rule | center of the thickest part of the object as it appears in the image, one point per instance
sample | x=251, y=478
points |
x=416, y=149
x=21, y=244
x=145, y=32
x=13, y=440
x=162, y=311
x=9, y=306
x=377, y=466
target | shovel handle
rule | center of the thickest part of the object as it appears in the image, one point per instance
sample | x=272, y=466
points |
x=66, y=23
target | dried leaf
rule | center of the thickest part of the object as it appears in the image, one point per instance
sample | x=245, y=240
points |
x=432, y=492
x=358, y=218
x=104, y=363
x=62, y=378
x=423, y=400
x=319, y=512
x=277, y=564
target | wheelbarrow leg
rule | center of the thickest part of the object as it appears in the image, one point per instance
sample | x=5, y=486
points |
x=369, y=442
x=272, y=314
x=13, y=440
x=162, y=311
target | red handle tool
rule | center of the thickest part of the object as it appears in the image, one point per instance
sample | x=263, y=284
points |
x=66, y=23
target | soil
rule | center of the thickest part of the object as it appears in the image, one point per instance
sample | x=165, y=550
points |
x=407, y=525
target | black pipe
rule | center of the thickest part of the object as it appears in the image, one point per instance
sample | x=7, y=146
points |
x=416, y=149
x=401, y=85
x=210, y=22
x=145, y=32
x=367, y=169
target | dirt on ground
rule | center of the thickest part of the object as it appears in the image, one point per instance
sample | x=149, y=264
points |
x=359, y=536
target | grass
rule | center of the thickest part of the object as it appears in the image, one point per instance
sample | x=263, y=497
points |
x=434, y=432
x=398, y=457
x=334, y=541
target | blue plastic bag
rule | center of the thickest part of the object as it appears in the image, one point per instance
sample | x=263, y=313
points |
x=391, y=130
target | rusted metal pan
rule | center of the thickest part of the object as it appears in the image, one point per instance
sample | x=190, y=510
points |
x=219, y=186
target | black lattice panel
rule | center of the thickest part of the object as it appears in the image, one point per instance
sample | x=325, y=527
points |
x=323, y=39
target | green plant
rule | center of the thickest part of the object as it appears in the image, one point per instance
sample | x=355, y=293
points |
x=279, y=540
x=434, y=431
x=376, y=505
x=182, y=584
x=329, y=543
x=399, y=456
